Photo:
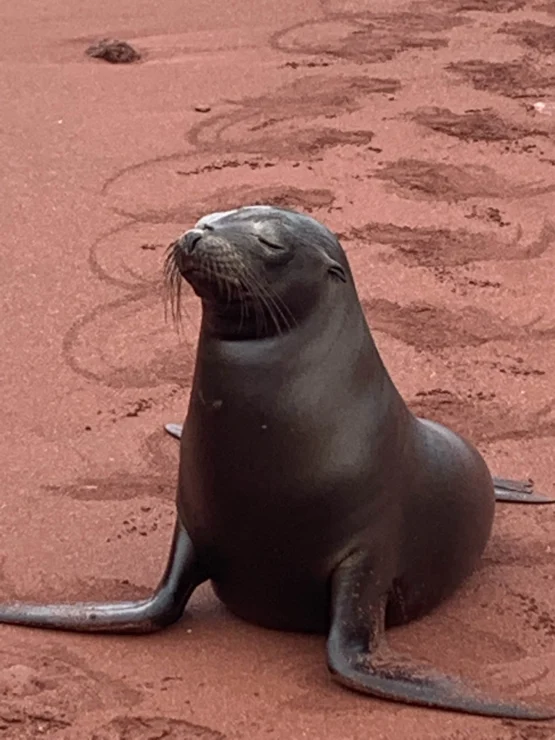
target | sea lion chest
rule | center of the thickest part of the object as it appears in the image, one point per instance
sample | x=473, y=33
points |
x=278, y=463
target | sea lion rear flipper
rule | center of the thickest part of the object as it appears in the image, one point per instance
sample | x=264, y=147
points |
x=519, y=492
x=174, y=429
x=359, y=658
x=165, y=606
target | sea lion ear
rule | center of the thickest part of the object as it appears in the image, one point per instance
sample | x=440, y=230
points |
x=336, y=271
x=334, y=268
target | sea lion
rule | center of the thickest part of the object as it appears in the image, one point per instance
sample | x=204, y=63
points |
x=308, y=493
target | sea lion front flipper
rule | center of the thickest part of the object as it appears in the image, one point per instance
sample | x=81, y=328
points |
x=519, y=492
x=175, y=430
x=359, y=658
x=165, y=606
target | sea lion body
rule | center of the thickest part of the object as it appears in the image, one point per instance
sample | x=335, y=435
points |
x=299, y=450
x=308, y=493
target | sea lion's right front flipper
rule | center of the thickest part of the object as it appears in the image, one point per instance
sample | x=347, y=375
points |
x=175, y=430
x=359, y=658
x=165, y=606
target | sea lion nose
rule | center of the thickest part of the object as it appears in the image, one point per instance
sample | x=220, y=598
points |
x=189, y=240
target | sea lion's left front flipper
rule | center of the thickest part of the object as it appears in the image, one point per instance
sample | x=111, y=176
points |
x=519, y=492
x=359, y=657
x=165, y=606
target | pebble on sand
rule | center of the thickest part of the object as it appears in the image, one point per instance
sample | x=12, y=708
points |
x=113, y=51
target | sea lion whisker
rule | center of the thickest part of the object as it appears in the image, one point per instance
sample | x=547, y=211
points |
x=250, y=287
x=240, y=290
x=258, y=306
x=253, y=291
x=172, y=293
x=229, y=292
x=284, y=311
x=271, y=300
x=267, y=303
x=211, y=273
x=172, y=284
x=266, y=311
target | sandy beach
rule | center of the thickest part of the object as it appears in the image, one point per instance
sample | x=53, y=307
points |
x=412, y=130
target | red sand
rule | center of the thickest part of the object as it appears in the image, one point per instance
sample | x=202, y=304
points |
x=408, y=128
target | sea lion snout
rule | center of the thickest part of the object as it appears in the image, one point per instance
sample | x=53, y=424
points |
x=201, y=249
x=188, y=241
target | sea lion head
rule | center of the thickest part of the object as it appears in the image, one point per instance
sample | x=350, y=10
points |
x=258, y=269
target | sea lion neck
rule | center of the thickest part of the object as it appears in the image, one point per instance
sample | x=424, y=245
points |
x=281, y=314
x=242, y=322
x=265, y=317
x=296, y=348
